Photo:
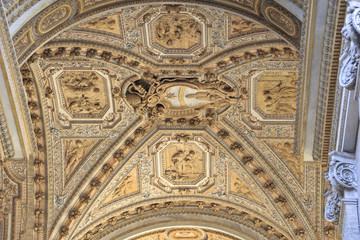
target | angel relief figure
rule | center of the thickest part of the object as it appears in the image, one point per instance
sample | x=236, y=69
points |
x=84, y=104
x=281, y=98
x=80, y=82
x=75, y=152
x=123, y=188
x=179, y=31
x=240, y=187
x=184, y=165
x=104, y=23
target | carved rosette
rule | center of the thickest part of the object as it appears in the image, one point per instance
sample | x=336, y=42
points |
x=342, y=177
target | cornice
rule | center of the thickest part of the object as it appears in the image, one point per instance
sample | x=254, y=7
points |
x=328, y=81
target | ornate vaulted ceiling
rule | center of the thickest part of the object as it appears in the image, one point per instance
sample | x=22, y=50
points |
x=156, y=120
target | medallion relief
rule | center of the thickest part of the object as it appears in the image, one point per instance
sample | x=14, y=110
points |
x=185, y=233
x=281, y=20
x=53, y=17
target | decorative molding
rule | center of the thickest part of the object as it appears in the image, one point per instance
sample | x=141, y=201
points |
x=328, y=81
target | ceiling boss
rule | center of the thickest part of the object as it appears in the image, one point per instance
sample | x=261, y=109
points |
x=179, y=97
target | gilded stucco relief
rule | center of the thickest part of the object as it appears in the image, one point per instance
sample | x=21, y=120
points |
x=127, y=186
x=176, y=31
x=183, y=163
x=240, y=187
x=83, y=93
x=159, y=110
x=109, y=24
x=186, y=233
x=276, y=93
x=76, y=150
x=240, y=26
x=179, y=97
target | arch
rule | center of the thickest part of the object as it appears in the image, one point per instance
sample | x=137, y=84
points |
x=26, y=41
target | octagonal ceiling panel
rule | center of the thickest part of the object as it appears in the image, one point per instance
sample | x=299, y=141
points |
x=175, y=163
x=83, y=94
x=178, y=33
x=172, y=35
x=183, y=161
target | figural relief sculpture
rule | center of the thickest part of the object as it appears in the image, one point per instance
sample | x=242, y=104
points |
x=83, y=92
x=182, y=161
x=178, y=97
x=176, y=31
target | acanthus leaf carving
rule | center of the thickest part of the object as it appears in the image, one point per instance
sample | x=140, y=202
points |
x=342, y=176
x=350, y=55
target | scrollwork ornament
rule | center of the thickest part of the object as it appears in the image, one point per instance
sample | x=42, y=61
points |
x=341, y=177
x=348, y=73
x=332, y=207
x=346, y=175
x=342, y=172
x=350, y=56
x=353, y=23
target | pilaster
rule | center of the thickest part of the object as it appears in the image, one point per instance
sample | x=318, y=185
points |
x=342, y=205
